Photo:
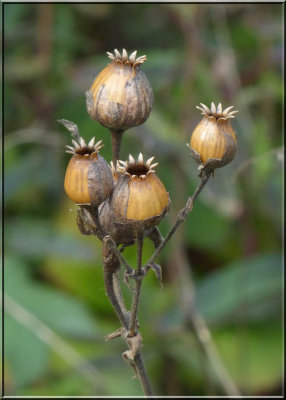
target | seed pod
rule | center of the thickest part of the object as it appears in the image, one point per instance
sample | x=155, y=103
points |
x=88, y=178
x=115, y=171
x=139, y=200
x=120, y=233
x=213, y=142
x=85, y=222
x=120, y=96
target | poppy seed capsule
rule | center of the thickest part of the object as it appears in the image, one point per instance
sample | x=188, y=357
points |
x=139, y=199
x=213, y=142
x=120, y=96
x=88, y=177
x=115, y=171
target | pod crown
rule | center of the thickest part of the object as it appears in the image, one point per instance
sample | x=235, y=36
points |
x=124, y=58
x=217, y=112
x=80, y=146
x=136, y=169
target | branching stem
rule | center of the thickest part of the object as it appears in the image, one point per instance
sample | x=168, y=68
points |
x=112, y=258
x=138, y=282
x=182, y=215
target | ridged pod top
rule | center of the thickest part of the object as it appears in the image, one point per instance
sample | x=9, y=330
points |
x=80, y=147
x=213, y=140
x=139, y=195
x=217, y=112
x=125, y=59
x=136, y=169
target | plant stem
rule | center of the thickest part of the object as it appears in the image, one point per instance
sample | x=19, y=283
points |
x=182, y=215
x=119, y=295
x=143, y=376
x=137, y=290
x=156, y=237
x=112, y=244
x=116, y=138
x=111, y=265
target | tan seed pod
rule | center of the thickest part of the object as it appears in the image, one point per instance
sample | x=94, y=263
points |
x=88, y=178
x=120, y=96
x=139, y=200
x=213, y=142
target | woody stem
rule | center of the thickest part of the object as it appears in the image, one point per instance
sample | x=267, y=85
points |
x=111, y=265
x=138, y=282
x=116, y=138
x=182, y=215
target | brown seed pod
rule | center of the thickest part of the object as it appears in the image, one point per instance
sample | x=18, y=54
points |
x=120, y=233
x=139, y=200
x=88, y=178
x=115, y=171
x=120, y=96
x=213, y=142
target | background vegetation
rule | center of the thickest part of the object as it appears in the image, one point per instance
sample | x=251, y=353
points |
x=229, y=250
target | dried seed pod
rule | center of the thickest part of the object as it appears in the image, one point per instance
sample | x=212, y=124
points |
x=120, y=96
x=139, y=200
x=120, y=233
x=85, y=222
x=88, y=178
x=115, y=171
x=213, y=142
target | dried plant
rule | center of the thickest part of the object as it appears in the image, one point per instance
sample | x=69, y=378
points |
x=123, y=203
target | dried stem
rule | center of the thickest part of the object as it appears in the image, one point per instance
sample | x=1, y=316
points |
x=119, y=295
x=111, y=261
x=116, y=138
x=112, y=244
x=143, y=376
x=156, y=237
x=138, y=282
x=182, y=215
x=111, y=265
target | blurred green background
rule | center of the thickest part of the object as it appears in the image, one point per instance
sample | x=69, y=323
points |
x=227, y=254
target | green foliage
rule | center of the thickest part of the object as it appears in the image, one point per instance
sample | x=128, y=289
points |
x=243, y=352
x=27, y=359
x=58, y=310
x=246, y=290
x=231, y=242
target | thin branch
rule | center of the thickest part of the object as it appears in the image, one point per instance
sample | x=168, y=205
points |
x=182, y=215
x=143, y=376
x=108, y=239
x=138, y=282
x=119, y=295
x=111, y=265
x=156, y=237
x=104, y=236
